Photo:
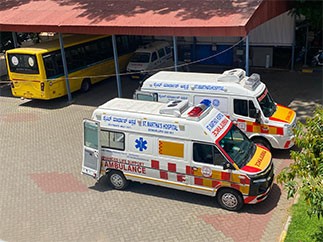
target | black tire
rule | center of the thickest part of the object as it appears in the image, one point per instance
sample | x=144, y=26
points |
x=117, y=180
x=86, y=85
x=314, y=63
x=230, y=199
x=262, y=142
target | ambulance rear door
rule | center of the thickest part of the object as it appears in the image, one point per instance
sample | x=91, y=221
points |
x=91, y=164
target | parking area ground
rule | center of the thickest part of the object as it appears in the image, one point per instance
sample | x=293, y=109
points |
x=44, y=197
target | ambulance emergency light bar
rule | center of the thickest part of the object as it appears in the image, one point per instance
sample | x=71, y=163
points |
x=199, y=110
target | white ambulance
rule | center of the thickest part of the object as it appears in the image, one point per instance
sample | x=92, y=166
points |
x=195, y=149
x=245, y=100
x=149, y=59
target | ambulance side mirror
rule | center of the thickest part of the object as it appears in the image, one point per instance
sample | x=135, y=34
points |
x=255, y=113
x=227, y=166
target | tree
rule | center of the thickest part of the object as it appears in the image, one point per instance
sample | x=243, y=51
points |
x=312, y=10
x=305, y=174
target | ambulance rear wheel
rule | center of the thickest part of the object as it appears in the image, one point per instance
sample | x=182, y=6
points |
x=262, y=142
x=230, y=199
x=117, y=180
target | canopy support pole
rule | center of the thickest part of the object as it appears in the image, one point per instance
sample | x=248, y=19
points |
x=247, y=55
x=116, y=64
x=61, y=43
x=15, y=40
x=175, y=52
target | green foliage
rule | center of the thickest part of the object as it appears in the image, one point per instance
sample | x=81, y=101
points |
x=305, y=174
x=311, y=9
x=303, y=228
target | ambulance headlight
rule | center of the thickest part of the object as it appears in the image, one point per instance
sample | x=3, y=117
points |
x=260, y=180
x=289, y=129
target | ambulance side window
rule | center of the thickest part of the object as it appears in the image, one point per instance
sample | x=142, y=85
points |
x=240, y=107
x=205, y=153
x=244, y=107
x=161, y=52
x=154, y=56
x=112, y=140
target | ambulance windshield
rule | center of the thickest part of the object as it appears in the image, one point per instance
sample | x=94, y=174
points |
x=267, y=103
x=140, y=57
x=238, y=146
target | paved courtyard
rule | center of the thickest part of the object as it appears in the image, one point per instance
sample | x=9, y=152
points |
x=44, y=197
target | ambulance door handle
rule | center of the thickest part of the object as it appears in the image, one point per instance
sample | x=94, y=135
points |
x=194, y=168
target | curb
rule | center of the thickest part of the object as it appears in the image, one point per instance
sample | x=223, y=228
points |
x=311, y=70
x=289, y=219
x=284, y=233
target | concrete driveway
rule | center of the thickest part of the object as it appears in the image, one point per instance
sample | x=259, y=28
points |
x=45, y=198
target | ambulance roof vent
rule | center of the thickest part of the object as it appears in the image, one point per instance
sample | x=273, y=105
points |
x=252, y=82
x=175, y=108
x=234, y=75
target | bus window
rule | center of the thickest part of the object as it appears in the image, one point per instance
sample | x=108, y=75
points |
x=53, y=65
x=105, y=49
x=49, y=66
x=23, y=63
x=74, y=58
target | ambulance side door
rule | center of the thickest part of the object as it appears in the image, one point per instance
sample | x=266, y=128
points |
x=243, y=114
x=207, y=172
x=172, y=162
x=91, y=164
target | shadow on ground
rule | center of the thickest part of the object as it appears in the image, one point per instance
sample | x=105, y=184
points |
x=98, y=94
x=168, y=193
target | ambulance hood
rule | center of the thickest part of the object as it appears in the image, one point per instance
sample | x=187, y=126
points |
x=259, y=162
x=283, y=114
x=137, y=66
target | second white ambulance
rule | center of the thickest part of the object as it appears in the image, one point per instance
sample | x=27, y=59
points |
x=195, y=149
x=244, y=99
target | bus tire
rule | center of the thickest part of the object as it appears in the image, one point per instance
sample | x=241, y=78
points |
x=230, y=199
x=86, y=85
x=117, y=180
x=263, y=142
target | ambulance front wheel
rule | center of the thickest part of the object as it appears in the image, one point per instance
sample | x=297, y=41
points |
x=117, y=180
x=230, y=199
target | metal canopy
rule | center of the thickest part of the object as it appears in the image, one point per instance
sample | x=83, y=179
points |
x=139, y=17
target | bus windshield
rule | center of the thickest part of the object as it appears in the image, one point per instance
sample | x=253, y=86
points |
x=23, y=63
x=238, y=146
x=140, y=57
x=267, y=103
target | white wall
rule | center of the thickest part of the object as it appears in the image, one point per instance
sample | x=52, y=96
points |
x=278, y=31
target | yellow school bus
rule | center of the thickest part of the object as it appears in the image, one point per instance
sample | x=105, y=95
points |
x=37, y=72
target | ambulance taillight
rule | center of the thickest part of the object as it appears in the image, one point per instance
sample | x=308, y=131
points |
x=200, y=108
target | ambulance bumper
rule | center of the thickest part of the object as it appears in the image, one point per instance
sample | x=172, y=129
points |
x=260, y=186
x=259, y=198
x=282, y=142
